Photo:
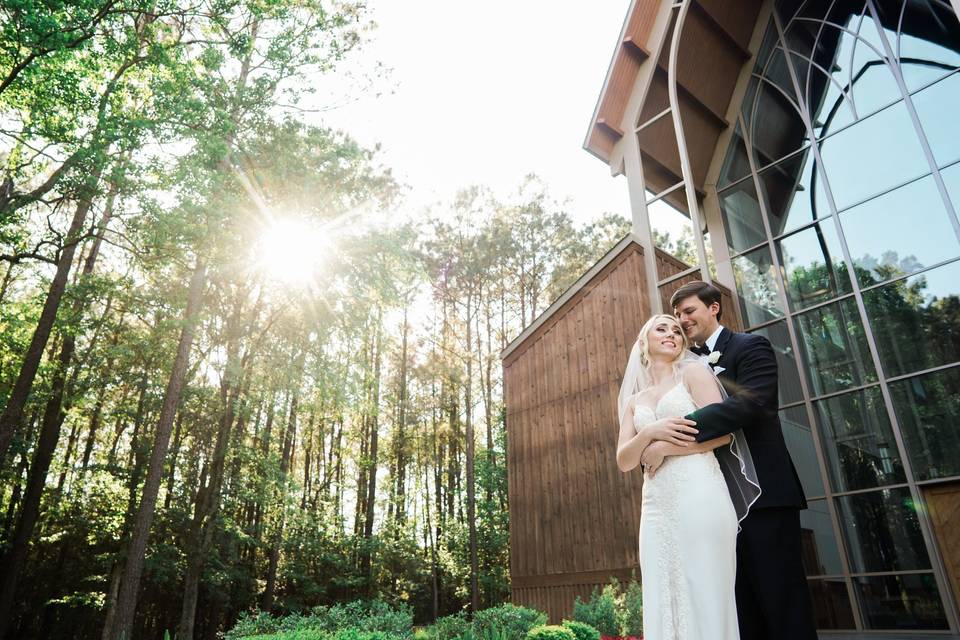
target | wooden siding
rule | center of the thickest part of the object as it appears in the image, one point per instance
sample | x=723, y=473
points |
x=574, y=516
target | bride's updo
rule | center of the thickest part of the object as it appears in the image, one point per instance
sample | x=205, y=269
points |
x=645, y=330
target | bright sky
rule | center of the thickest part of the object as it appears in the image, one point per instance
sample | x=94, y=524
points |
x=486, y=92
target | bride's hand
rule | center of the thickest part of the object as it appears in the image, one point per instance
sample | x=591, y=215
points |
x=652, y=457
x=678, y=431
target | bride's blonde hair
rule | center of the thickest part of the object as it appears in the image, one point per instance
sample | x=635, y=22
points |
x=645, y=330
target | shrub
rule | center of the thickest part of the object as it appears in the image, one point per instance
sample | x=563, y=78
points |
x=302, y=634
x=600, y=612
x=366, y=615
x=632, y=622
x=450, y=627
x=374, y=619
x=508, y=621
x=550, y=632
x=582, y=630
x=253, y=623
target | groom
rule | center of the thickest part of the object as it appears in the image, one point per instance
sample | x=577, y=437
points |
x=772, y=597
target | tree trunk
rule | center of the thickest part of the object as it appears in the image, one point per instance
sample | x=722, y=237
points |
x=289, y=435
x=17, y=401
x=120, y=625
x=471, y=479
x=53, y=417
x=202, y=529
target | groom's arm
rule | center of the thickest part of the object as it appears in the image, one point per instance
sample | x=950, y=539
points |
x=754, y=398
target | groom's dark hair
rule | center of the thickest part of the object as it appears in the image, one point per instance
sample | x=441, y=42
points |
x=707, y=293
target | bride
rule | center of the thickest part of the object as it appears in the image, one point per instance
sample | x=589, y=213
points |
x=693, y=496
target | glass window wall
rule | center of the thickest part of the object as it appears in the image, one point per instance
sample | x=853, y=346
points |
x=843, y=163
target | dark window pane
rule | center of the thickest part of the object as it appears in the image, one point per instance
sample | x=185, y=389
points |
x=882, y=531
x=837, y=54
x=928, y=410
x=794, y=193
x=741, y=216
x=924, y=37
x=820, y=553
x=899, y=232
x=873, y=155
x=787, y=370
x=900, y=602
x=813, y=265
x=799, y=439
x=759, y=301
x=835, y=348
x=774, y=123
x=916, y=321
x=735, y=165
x=858, y=441
x=831, y=604
x=937, y=109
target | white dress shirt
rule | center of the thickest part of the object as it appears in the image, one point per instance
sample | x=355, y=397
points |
x=712, y=340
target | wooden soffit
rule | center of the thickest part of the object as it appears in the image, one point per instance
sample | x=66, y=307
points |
x=714, y=46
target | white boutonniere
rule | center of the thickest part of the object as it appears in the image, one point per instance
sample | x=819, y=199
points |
x=714, y=357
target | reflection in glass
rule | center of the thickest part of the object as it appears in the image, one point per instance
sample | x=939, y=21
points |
x=916, y=320
x=928, y=410
x=741, y=216
x=882, y=531
x=936, y=108
x=799, y=439
x=794, y=193
x=831, y=605
x=858, y=441
x=754, y=274
x=820, y=553
x=899, y=232
x=787, y=370
x=735, y=165
x=835, y=347
x=812, y=261
x=923, y=36
x=900, y=602
x=873, y=155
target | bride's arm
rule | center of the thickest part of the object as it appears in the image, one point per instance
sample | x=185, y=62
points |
x=678, y=432
x=631, y=444
x=654, y=455
x=704, y=389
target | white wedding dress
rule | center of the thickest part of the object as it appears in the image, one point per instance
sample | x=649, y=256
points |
x=688, y=539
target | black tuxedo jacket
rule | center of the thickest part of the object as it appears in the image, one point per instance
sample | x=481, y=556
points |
x=750, y=379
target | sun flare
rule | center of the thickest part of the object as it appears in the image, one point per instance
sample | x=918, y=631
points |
x=291, y=251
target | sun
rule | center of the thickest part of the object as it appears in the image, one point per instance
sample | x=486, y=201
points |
x=291, y=251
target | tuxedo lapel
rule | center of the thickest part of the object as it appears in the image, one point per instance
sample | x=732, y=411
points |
x=723, y=341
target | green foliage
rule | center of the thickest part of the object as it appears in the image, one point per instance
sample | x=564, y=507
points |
x=600, y=611
x=582, y=630
x=364, y=617
x=632, y=616
x=450, y=627
x=512, y=621
x=551, y=632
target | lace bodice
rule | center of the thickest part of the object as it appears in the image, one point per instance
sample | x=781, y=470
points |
x=677, y=401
